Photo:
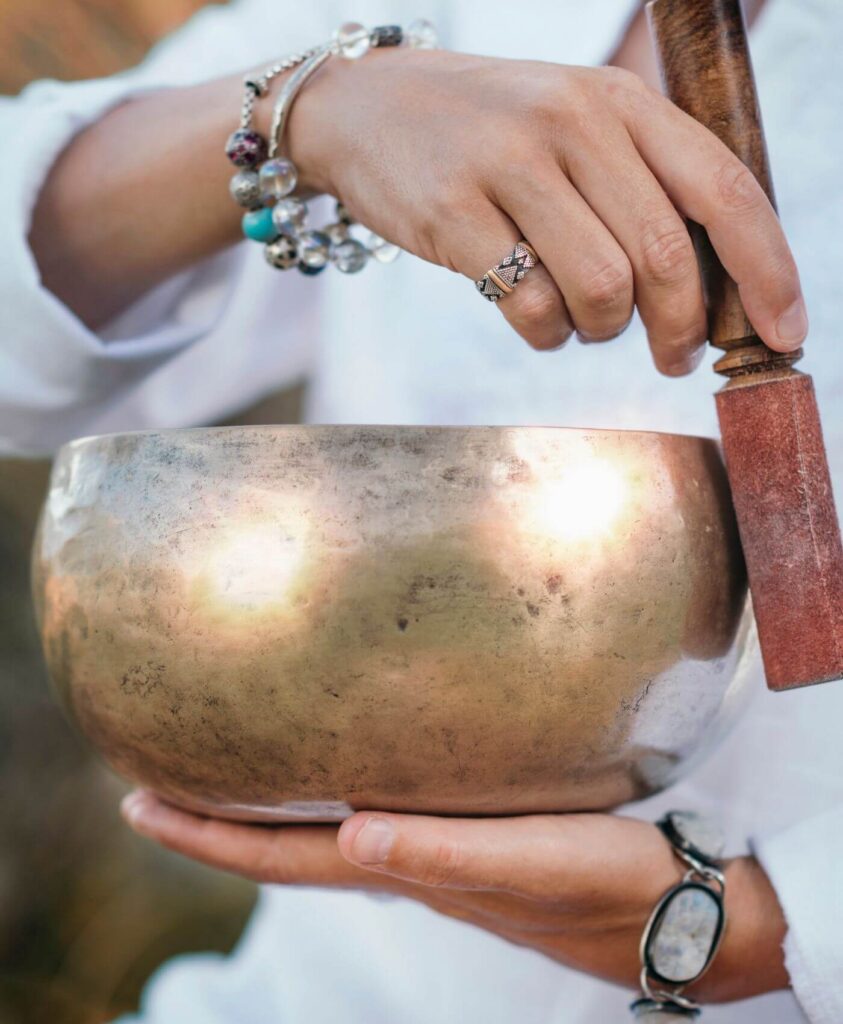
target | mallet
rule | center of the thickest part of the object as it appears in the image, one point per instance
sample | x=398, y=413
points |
x=768, y=414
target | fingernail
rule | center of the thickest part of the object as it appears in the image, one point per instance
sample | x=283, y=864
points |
x=792, y=326
x=373, y=842
x=134, y=806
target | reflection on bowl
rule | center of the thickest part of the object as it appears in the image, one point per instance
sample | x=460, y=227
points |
x=283, y=623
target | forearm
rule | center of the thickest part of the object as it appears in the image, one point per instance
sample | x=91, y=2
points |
x=421, y=146
x=139, y=196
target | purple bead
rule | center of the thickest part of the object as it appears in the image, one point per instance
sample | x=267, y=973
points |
x=245, y=148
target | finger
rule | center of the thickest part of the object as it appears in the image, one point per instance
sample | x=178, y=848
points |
x=535, y=309
x=291, y=855
x=549, y=857
x=587, y=263
x=511, y=855
x=625, y=194
x=711, y=186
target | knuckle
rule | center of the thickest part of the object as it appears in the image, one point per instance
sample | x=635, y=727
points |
x=736, y=186
x=443, y=864
x=535, y=304
x=667, y=253
x=619, y=81
x=624, y=89
x=678, y=351
x=608, y=289
x=547, y=91
x=565, y=101
x=683, y=339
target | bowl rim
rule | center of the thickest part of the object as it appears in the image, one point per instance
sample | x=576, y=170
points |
x=379, y=428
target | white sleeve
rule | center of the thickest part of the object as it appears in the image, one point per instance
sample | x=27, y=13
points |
x=804, y=865
x=208, y=988
x=55, y=373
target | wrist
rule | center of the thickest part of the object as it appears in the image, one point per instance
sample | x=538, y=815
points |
x=335, y=112
x=312, y=179
x=750, y=960
x=311, y=138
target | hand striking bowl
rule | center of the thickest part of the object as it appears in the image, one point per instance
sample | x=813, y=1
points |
x=287, y=623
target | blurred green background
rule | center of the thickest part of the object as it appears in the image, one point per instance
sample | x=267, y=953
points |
x=87, y=909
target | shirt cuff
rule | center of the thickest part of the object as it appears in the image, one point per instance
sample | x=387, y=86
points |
x=803, y=864
x=55, y=373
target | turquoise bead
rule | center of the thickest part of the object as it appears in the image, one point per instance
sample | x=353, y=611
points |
x=257, y=225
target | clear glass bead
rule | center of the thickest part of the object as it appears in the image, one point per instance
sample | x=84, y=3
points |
x=421, y=34
x=314, y=249
x=278, y=178
x=342, y=214
x=352, y=40
x=383, y=251
x=350, y=256
x=245, y=190
x=289, y=213
x=309, y=271
x=336, y=232
x=283, y=253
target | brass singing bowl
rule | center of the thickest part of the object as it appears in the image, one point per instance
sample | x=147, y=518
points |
x=287, y=623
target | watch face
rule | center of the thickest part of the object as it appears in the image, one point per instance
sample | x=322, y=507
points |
x=694, y=833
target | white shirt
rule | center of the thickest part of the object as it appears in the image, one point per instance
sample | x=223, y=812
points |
x=231, y=330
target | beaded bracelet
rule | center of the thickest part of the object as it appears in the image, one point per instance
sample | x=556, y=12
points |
x=265, y=183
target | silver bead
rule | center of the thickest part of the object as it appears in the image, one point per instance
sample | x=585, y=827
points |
x=352, y=40
x=342, y=214
x=283, y=253
x=289, y=213
x=314, y=249
x=421, y=34
x=278, y=178
x=245, y=190
x=336, y=232
x=350, y=256
x=662, y=1013
x=383, y=251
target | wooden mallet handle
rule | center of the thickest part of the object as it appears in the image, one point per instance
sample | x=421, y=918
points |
x=707, y=72
x=769, y=421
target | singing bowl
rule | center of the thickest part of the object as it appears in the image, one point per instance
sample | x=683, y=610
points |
x=287, y=623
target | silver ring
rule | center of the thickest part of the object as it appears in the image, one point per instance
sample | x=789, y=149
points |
x=504, y=276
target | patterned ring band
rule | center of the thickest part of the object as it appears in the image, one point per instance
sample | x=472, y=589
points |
x=503, y=277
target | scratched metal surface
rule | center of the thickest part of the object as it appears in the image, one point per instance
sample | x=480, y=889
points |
x=283, y=623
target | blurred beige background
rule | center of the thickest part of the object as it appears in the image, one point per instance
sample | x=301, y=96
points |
x=87, y=910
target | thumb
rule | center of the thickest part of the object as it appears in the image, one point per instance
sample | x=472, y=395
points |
x=510, y=854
